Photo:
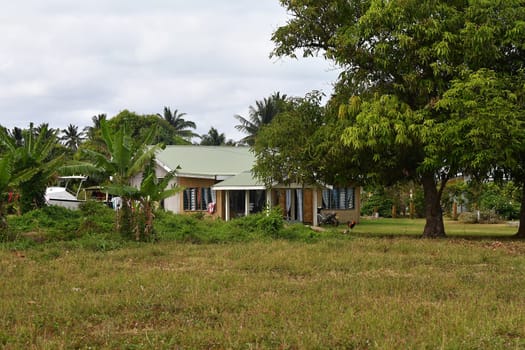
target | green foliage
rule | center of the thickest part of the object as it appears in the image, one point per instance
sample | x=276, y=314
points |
x=123, y=159
x=34, y=163
x=138, y=126
x=485, y=122
x=178, y=126
x=377, y=203
x=303, y=158
x=262, y=114
x=71, y=137
x=48, y=223
x=96, y=218
x=6, y=173
x=381, y=200
x=214, y=138
x=55, y=223
x=480, y=217
x=500, y=199
x=270, y=221
x=261, y=226
x=433, y=87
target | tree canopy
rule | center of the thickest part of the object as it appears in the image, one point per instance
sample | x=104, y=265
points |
x=399, y=58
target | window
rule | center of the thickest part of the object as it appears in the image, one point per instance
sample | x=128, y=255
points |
x=196, y=198
x=257, y=201
x=339, y=198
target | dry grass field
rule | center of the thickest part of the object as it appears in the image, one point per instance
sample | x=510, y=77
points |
x=366, y=290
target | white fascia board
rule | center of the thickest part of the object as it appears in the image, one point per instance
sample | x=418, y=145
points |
x=238, y=188
x=196, y=176
x=206, y=176
x=162, y=165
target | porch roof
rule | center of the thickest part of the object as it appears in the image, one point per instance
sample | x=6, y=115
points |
x=206, y=161
x=242, y=181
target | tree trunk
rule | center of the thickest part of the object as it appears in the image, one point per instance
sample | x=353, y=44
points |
x=148, y=212
x=434, y=226
x=521, y=228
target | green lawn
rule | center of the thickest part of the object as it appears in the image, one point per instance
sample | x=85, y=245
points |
x=357, y=291
x=385, y=226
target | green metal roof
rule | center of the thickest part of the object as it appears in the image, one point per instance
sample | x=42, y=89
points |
x=206, y=161
x=242, y=181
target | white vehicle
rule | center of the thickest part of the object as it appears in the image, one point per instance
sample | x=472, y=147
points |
x=63, y=196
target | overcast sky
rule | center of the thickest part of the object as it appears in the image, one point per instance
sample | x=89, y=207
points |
x=64, y=61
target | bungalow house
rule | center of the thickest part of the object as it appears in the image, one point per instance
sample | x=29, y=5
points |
x=217, y=180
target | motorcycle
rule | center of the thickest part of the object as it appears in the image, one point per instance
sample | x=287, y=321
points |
x=327, y=219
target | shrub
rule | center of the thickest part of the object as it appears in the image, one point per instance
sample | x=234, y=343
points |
x=468, y=217
x=96, y=218
x=503, y=206
x=379, y=203
x=270, y=221
x=480, y=217
x=57, y=223
x=53, y=221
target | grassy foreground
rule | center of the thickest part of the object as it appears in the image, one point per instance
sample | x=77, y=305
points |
x=351, y=293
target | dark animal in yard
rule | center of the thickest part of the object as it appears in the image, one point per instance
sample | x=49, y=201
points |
x=351, y=225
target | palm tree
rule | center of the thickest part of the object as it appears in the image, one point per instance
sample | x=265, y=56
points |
x=71, y=137
x=213, y=138
x=93, y=139
x=44, y=131
x=91, y=131
x=263, y=113
x=179, y=124
x=16, y=135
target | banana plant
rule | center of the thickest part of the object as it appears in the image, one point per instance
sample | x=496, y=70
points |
x=8, y=182
x=33, y=163
x=146, y=198
x=123, y=159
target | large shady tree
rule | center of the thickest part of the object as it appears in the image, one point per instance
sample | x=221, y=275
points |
x=399, y=58
x=494, y=105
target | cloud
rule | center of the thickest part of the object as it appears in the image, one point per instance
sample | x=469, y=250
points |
x=63, y=62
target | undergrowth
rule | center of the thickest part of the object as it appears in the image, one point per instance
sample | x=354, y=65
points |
x=92, y=227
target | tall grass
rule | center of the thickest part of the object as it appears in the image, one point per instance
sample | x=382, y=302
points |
x=68, y=281
x=361, y=293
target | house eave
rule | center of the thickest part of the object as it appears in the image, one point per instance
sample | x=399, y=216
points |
x=238, y=188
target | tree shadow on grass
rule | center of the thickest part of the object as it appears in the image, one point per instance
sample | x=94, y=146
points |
x=453, y=236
